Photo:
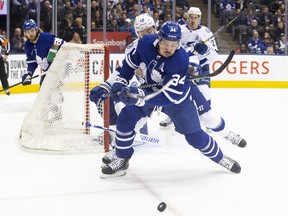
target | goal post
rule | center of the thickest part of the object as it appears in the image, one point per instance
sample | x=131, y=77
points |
x=57, y=122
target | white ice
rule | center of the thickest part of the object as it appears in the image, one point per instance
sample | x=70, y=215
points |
x=34, y=184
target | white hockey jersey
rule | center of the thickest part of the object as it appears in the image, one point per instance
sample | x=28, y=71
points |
x=191, y=37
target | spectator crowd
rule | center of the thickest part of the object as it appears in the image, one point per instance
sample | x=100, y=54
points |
x=259, y=27
x=72, y=17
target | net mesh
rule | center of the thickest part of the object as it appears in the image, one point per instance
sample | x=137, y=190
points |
x=58, y=119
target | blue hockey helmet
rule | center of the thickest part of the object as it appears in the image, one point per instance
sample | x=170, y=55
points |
x=170, y=31
x=29, y=24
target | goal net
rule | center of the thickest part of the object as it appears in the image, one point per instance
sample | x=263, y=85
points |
x=59, y=119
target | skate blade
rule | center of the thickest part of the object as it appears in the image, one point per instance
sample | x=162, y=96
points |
x=118, y=174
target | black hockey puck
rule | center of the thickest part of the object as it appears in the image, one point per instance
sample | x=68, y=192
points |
x=162, y=206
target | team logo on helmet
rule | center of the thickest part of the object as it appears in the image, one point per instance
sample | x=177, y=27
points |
x=29, y=24
x=170, y=31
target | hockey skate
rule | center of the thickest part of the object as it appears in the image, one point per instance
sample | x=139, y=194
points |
x=109, y=157
x=116, y=168
x=236, y=139
x=230, y=164
x=166, y=123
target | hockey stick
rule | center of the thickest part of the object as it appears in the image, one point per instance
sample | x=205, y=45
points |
x=218, y=71
x=220, y=29
x=167, y=85
x=87, y=124
x=143, y=137
x=16, y=84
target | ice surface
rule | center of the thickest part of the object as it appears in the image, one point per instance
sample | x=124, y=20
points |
x=34, y=184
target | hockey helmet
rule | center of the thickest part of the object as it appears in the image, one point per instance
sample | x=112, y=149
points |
x=194, y=11
x=170, y=31
x=29, y=24
x=142, y=22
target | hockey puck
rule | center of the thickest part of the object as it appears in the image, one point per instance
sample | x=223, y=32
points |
x=162, y=206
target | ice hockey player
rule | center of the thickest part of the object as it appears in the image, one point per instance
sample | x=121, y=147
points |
x=5, y=45
x=193, y=36
x=165, y=61
x=143, y=24
x=40, y=48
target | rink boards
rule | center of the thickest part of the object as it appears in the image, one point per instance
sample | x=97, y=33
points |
x=244, y=71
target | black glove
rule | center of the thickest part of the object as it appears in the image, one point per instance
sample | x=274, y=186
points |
x=100, y=93
x=26, y=78
x=201, y=48
x=116, y=88
x=194, y=71
x=129, y=95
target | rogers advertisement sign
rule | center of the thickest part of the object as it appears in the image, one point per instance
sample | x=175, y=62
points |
x=117, y=41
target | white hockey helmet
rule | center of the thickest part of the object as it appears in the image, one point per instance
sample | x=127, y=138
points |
x=195, y=11
x=142, y=22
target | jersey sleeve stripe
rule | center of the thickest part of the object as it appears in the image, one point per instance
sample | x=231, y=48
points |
x=130, y=63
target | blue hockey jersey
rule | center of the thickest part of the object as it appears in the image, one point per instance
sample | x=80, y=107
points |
x=144, y=54
x=36, y=54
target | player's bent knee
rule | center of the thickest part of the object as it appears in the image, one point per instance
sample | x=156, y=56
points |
x=198, y=140
x=210, y=119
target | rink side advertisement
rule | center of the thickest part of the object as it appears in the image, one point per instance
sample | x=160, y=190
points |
x=244, y=71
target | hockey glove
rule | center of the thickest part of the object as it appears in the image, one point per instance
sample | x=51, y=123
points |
x=201, y=48
x=116, y=88
x=130, y=96
x=194, y=71
x=100, y=93
x=26, y=78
